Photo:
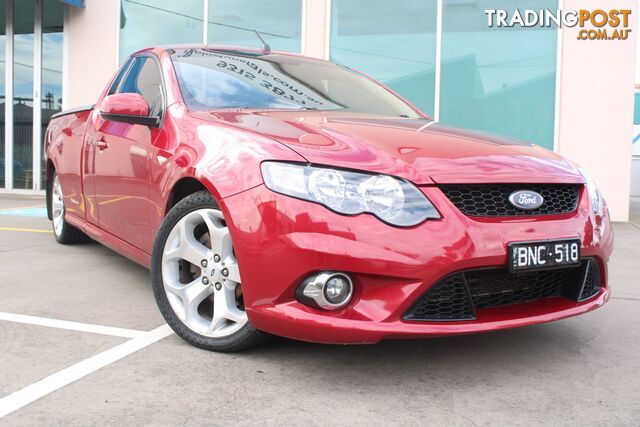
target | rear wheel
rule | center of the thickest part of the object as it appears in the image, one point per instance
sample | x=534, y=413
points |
x=196, y=278
x=64, y=232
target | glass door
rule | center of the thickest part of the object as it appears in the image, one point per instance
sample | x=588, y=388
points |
x=23, y=67
x=30, y=87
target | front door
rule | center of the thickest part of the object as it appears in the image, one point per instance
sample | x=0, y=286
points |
x=121, y=161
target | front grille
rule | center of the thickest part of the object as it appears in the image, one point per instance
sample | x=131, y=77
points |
x=459, y=295
x=493, y=199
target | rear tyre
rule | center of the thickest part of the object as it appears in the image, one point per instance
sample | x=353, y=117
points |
x=196, y=278
x=64, y=232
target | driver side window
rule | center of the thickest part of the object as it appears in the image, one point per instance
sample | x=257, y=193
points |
x=144, y=79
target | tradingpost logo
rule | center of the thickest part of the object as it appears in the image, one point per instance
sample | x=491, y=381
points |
x=598, y=24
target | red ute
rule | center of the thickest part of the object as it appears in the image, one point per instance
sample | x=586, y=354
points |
x=268, y=192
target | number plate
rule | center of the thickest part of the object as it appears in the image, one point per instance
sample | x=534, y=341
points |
x=540, y=255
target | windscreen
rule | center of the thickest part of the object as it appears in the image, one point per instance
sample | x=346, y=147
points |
x=213, y=79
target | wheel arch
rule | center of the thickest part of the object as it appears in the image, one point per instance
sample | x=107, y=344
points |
x=182, y=188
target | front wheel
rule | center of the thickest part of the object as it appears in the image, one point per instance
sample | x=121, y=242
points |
x=196, y=279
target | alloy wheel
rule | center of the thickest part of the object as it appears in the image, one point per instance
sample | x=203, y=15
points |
x=200, y=275
x=57, y=206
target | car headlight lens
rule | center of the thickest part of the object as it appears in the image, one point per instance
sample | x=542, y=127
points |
x=392, y=200
x=597, y=202
x=328, y=187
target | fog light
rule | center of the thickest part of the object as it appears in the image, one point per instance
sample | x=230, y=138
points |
x=328, y=290
x=337, y=289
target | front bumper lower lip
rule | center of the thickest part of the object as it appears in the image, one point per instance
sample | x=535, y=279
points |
x=332, y=330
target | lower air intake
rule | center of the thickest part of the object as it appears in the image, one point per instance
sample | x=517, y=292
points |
x=459, y=295
x=497, y=288
x=592, y=282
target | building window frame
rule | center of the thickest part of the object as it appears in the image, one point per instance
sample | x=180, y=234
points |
x=8, y=98
x=36, y=161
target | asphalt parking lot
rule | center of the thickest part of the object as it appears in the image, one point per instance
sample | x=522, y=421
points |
x=81, y=342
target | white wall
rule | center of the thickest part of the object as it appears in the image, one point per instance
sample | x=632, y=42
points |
x=315, y=28
x=92, y=48
x=596, y=105
x=635, y=162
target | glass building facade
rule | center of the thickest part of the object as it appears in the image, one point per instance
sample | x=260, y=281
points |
x=31, y=46
x=146, y=23
x=498, y=79
x=492, y=79
x=231, y=22
x=394, y=42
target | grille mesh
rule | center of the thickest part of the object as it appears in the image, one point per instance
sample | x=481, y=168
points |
x=446, y=300
x=499, y=287
x=493, y=199
x=592, y=282
x=457, y=296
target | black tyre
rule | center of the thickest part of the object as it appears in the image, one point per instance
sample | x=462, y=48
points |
x=196, y=279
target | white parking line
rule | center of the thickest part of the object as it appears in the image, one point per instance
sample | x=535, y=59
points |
x=72, y=326
x=53, y=382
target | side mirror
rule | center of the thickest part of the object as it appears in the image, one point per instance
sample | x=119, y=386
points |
x=128, y=108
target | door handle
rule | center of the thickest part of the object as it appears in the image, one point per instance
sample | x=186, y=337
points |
x=102, y=144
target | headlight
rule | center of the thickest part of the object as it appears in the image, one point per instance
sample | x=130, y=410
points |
x=597, y=202
x=392, y=200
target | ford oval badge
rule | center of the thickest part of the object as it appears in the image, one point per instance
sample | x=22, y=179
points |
x=525, y=199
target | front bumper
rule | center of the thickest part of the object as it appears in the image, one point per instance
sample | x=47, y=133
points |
x=279, y=241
